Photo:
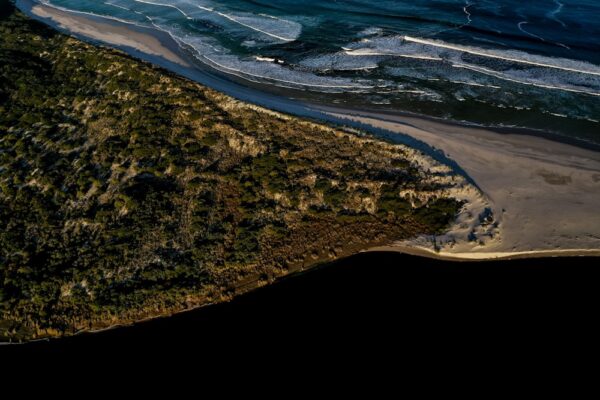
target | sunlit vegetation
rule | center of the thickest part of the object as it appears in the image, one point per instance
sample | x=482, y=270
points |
x=126, y=192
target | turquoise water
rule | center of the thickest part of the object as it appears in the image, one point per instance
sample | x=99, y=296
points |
x=511, y=63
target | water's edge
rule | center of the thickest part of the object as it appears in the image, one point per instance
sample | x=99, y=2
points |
x=202, y=74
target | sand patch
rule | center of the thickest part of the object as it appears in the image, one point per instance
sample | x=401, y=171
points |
x=544, y=195
x=107, y=33
x=553, y=178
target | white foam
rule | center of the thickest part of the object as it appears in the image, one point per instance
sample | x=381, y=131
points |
x=372, y=31
x=273, y=27
x=246, y=69
x=340, y=62
x=533, y=35
x=467, y=13
x=267, y=59
x=516, y=56
x=554, y=13
x=506, y=77
x=559, y=115
x=528, y=69
x=374, y=52
x=154, y=3
x=257, y=24
x=475, y=84
x=209, y=52
x=47, y=3
x=117, y=6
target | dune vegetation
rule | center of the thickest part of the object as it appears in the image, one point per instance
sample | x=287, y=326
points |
x=127, y=192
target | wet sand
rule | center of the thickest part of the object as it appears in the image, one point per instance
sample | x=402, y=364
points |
x=107, y=33
x=544, y=196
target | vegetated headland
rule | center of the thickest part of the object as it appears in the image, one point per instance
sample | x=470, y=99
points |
x=538, y=192
x=127, y=192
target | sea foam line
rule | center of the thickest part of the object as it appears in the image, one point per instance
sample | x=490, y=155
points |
x=255, y=28
x=286, y=81
x=47, y=3
x=229, y=17
x=368, y=52
x=243, y=74
x=117, y=6
x=483, y=53
x=553, y=14
x=533, y=35
x=233, y=19
x=164, y=5
x=465, y=10
x=498, y=75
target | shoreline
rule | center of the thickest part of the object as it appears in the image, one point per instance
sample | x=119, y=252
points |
x=551, y=168
x=186, y=64
x=543, y=195
x=102, y=31
x=483, y=257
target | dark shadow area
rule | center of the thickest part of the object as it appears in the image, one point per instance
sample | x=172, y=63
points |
x=371, y=302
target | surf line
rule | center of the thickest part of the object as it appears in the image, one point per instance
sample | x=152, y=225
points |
x=233, y=19
x=465, y=10
x=164, y=5
x=117, y=6
x=533, y=35
x=520, y=25
x=499, y=75
x=47, y=3
x=212, y=10
x=236, y=71
x=495, y=56
x=553, y=14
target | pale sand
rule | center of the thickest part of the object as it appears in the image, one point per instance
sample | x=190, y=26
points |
x=545, y=195
x=110, y=34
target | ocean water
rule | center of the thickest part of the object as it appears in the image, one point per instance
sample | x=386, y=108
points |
x=500, y=63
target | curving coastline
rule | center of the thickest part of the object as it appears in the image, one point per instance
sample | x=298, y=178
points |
x=543, y=194
x=152, y=194
x=523, y=177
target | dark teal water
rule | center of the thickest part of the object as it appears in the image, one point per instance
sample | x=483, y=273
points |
x=509, y=63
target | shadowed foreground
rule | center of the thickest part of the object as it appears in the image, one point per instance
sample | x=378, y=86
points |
x=373, y=303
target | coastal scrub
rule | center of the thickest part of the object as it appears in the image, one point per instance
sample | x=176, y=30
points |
x=127, y=192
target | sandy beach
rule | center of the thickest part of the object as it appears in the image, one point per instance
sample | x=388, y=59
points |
x=544, y=195
x=107, y=33
x=538, y=197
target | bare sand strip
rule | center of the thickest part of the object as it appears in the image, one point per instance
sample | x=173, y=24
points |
x=544, y=196
x=102, y=31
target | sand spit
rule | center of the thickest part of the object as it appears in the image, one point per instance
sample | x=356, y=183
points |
x=541, y=197
x=537, y=197
x=110, y=34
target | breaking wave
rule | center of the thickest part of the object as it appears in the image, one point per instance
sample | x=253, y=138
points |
x=479, y=51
